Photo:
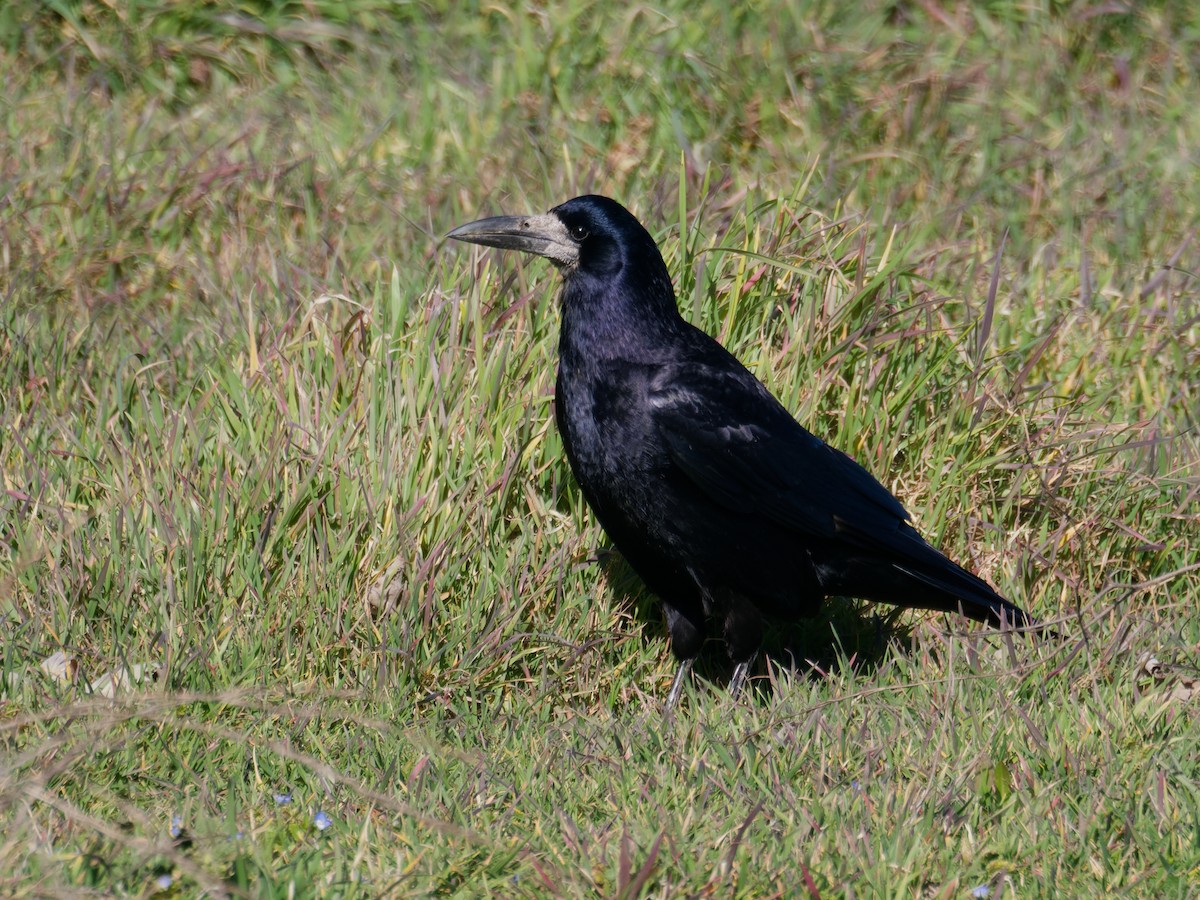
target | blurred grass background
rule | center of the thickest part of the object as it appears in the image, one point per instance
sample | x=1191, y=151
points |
x=297, y=594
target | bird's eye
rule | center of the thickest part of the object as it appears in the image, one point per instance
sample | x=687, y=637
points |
x=579, y=232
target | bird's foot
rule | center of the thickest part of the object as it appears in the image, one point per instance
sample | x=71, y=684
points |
x=681, y=676
x=740, y=672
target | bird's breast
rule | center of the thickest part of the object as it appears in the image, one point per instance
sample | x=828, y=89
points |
x=606, y=425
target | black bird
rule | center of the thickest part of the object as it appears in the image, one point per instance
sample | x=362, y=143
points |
x=726, y=507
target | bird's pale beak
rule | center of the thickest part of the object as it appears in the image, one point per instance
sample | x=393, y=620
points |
x=543, y=234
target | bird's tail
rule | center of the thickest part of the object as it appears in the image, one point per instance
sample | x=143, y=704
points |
x=920, y=577
x=951, y=588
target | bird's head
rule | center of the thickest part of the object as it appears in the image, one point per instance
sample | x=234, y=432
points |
x=589, y=235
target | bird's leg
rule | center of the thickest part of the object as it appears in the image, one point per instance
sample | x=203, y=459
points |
x=685, y=668
x=743, y=637
x=686, y=625
x=740, y=671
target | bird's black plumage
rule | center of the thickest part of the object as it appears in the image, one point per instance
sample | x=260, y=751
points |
x=726, y=507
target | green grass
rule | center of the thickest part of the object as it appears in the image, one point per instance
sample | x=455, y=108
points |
x=269, y=445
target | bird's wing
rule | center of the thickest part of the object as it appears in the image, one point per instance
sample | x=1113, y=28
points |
x=735, y=441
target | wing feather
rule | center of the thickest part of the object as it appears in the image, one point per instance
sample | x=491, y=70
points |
x=753, y=457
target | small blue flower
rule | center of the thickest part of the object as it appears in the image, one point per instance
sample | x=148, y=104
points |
x=981, y=892
x=176, y=828
x=321, y=820
x=282, y=799
x=162, y=882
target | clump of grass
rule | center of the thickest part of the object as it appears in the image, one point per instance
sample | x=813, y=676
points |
x=279, y=473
